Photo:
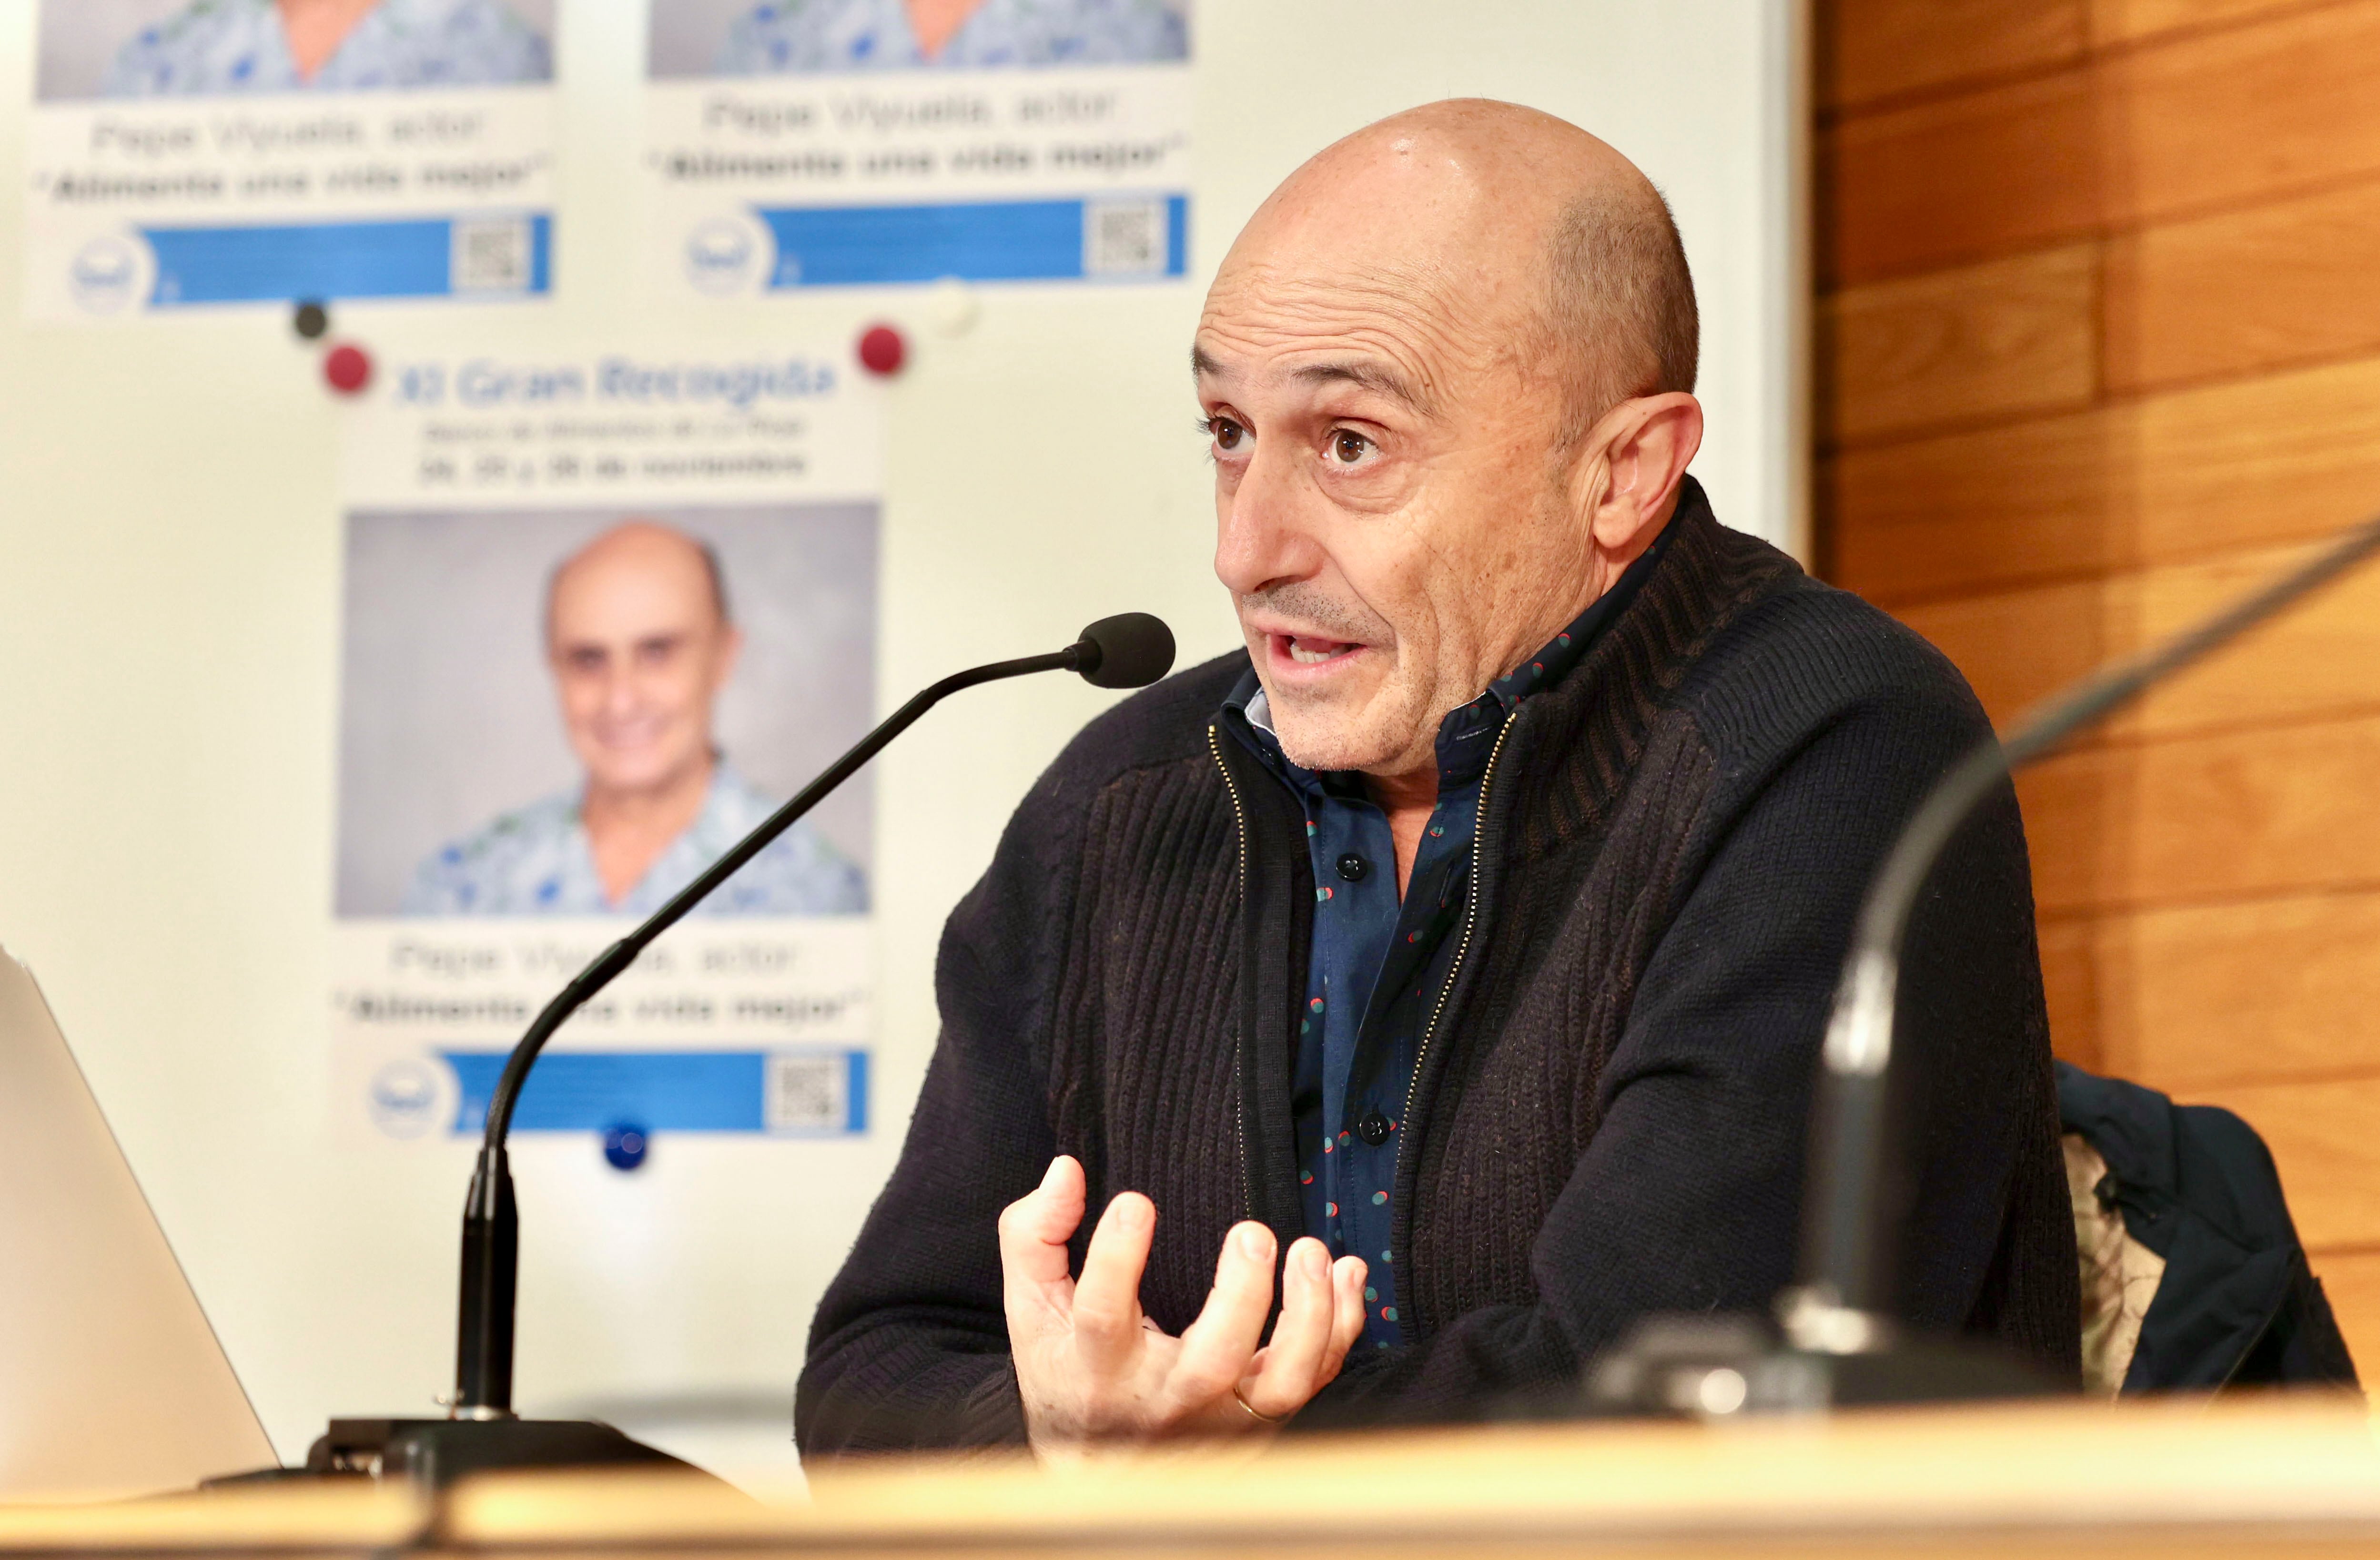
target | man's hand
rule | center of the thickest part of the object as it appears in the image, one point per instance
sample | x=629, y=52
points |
x=1091, y=1367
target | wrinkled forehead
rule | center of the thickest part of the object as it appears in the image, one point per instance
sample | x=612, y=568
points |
x=1428, y=328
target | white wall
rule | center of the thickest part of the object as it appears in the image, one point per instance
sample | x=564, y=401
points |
x=169, y=549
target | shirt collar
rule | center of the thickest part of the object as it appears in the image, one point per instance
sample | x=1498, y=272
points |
x=1464, y=736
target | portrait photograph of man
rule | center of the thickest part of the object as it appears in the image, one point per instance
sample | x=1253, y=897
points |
x=212, y=48
x=575, y=716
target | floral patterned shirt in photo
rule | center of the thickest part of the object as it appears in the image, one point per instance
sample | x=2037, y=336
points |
x=839, y=35
x=220, y=47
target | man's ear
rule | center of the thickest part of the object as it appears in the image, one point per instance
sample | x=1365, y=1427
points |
x=1646, y=445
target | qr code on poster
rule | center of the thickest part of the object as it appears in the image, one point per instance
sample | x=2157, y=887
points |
x=807, y=1093
x=1124, y=237
x=491, y=254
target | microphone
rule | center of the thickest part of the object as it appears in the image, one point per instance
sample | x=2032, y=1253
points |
x=1842, y=1298
x=1843, y=1344
x=1132, y=650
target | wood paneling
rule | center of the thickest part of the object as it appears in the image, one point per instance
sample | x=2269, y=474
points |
x=2028, y=501
x=2116, y=22
x=1879, y=48
x=2321, y=659
x=2197, y=996
x=2002, y=339
x=2207, y=867
x=2244, y=291
x=2221, y=118
x=2323, y=1138
x=2069, y=979
x=2017, y=647
x=2262, y=810
x=2173, y=477
x=1958, y=180
x=2206, y=121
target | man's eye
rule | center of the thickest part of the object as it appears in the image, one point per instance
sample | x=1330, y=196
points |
x=1349, y=447
x=1228, y=435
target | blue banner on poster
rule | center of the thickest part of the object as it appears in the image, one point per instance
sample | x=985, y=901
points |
x=817, y=1093
x=487, y=256
x=1106, y=239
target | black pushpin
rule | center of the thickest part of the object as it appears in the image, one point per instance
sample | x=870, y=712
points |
x=311, y=320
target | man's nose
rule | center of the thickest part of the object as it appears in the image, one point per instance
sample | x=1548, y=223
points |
x=1264, y=534
x=621, y=694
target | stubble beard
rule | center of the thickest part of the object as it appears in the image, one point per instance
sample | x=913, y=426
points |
x=1370, y=732
x=1375, y=735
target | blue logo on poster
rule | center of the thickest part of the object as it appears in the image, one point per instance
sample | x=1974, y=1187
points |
x=719, y=256
x=106, y=274
x=404, y=1099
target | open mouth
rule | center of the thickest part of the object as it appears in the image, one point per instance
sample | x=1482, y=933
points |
x=1304, y=650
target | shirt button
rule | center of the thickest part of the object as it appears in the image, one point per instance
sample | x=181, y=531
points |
x=1353, y=867
x=1373, y=1128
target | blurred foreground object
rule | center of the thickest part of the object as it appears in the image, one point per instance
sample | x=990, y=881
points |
x=1843, y=1343
x=111, y=1380
x=2172, y=1479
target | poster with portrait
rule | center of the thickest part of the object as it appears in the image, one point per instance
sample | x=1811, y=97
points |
x=199, y=153
x=603, y=614
x=809, y=144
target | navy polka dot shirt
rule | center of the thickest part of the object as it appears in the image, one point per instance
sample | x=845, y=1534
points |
x=1378, y=963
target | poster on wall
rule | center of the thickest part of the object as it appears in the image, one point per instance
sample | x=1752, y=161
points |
x=809, y=143
x=195, y=154
x=603, y=614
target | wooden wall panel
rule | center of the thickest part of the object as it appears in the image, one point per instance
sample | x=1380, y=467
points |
x=2006, y=338
x=2206, y=869
x=2222, y=118
x=2197, y=123
x=1874, y=49
x=2244, y=291
x=2021, y=646
x=2069, y=979
x=2241, y=464
x=2134, y=21
x=2044, y=499
x=2017, y=647
x=2263, y=810
x=1960, y=179
x=2198, y=996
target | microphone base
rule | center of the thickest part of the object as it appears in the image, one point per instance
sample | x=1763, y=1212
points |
x=1706, y=1367
x=436, y=1452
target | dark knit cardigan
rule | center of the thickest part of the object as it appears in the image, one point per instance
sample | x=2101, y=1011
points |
x=1609, y=1112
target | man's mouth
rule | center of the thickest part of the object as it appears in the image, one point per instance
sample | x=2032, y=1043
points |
x=1305, y=649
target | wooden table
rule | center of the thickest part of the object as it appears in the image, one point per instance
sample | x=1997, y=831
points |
x=2175, y=1478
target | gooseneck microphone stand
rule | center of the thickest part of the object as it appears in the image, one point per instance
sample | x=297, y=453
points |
x=481, y=1431
x=1843, y=1301
x=1842, y=1342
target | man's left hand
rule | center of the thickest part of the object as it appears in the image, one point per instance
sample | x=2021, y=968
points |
x=1090, y=1366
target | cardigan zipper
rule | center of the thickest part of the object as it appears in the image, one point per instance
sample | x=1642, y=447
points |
x=1239, y=1083
x=1470, y=922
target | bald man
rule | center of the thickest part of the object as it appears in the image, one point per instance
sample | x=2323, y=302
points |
x=639, y=643
x=1374, y=1024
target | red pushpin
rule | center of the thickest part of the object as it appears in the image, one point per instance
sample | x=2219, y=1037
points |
x=347, y=368
x=883, y=349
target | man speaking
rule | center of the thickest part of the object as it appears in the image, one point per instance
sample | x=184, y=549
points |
x=1470, y=938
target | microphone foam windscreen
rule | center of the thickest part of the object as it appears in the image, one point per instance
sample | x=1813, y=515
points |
x=1135, y=649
